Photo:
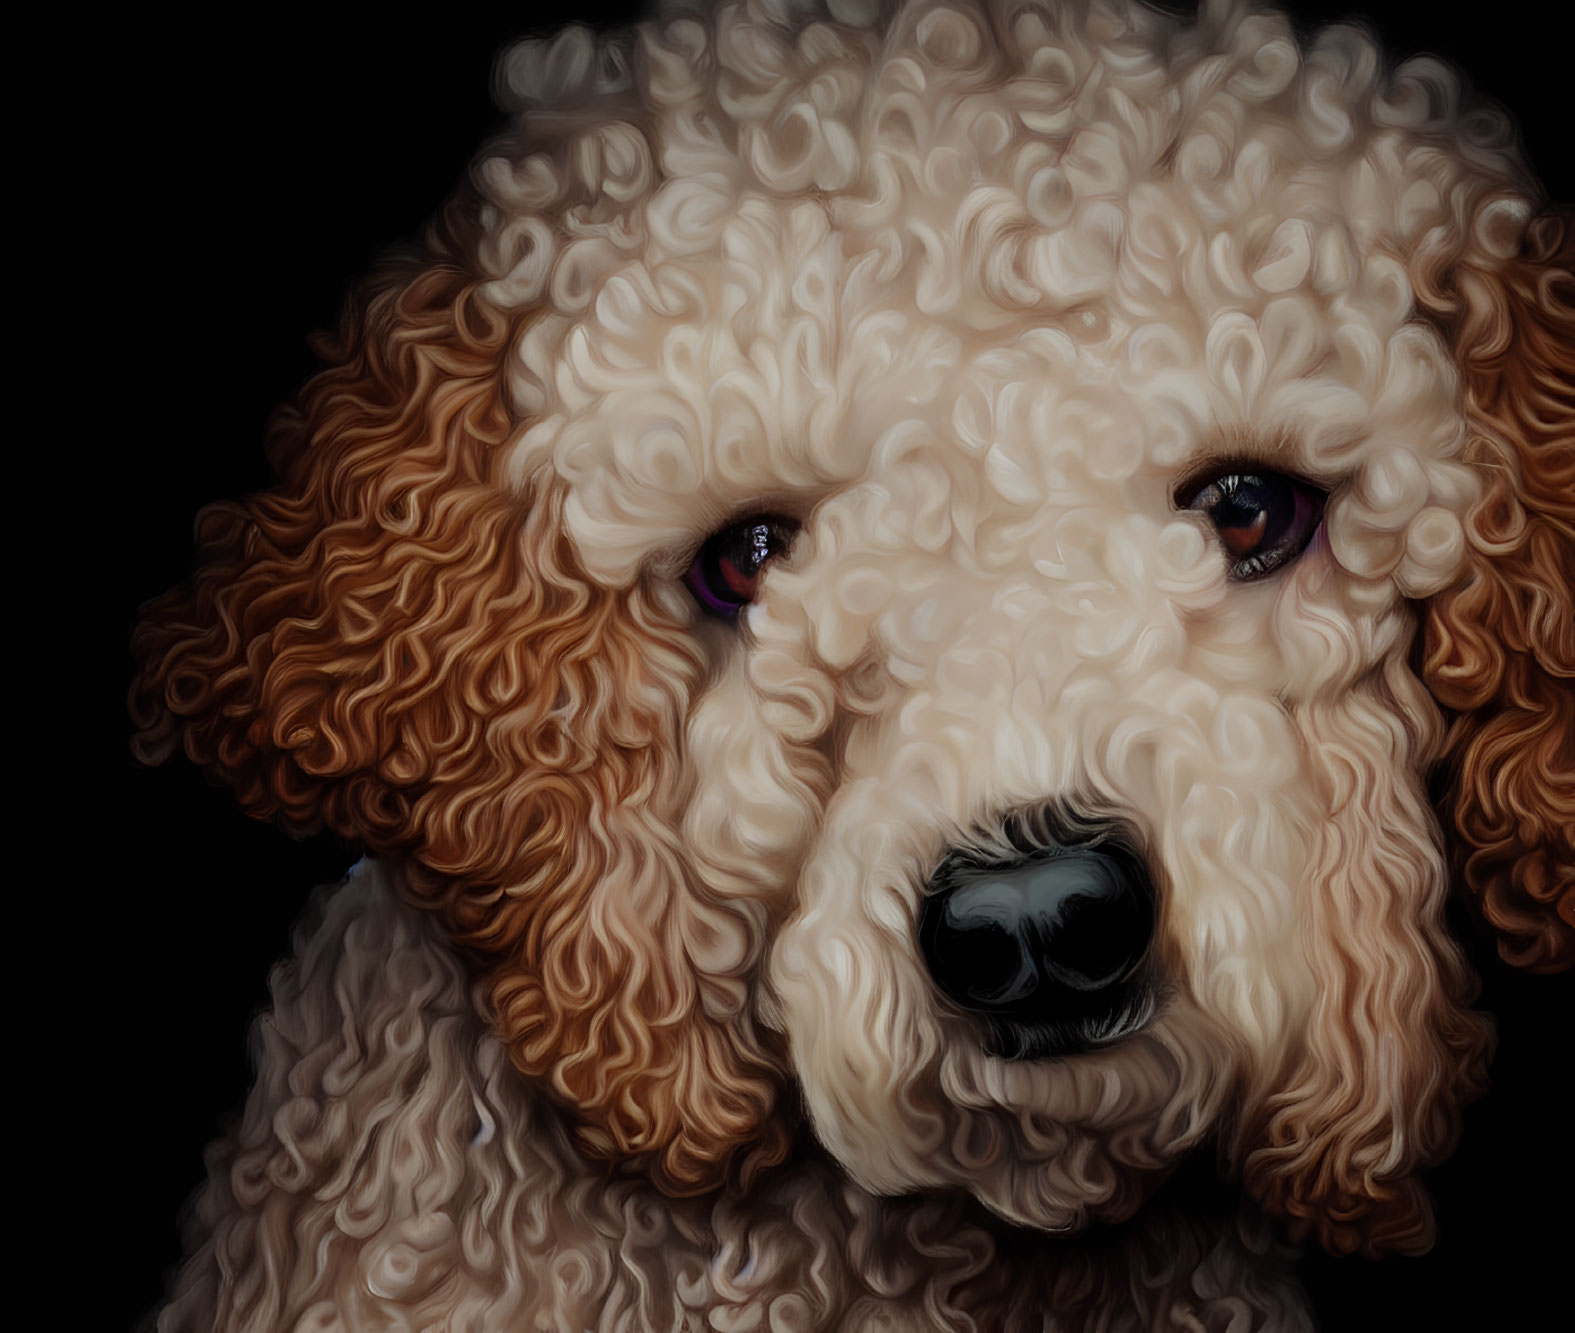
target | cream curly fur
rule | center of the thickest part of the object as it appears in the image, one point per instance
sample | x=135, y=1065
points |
x=969, y=289
x=393, y=1171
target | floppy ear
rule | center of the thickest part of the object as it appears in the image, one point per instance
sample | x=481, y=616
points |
x=1391, y=1054
x=1499, y=646
x=396, y=644
x=1332, y=1139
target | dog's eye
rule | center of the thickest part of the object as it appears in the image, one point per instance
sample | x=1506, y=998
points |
x=1264, y=519
x=727, y=569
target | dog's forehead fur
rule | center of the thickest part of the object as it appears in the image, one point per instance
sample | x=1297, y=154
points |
x=1056, y=251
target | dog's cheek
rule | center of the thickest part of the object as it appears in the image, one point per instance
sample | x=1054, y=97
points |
x=758, y=795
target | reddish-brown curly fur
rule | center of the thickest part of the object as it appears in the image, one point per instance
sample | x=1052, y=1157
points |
x=1339, y=1154
x=1373, y=1092
x=1499, y=647
x=394, y=644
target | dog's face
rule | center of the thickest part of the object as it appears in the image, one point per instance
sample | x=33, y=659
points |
x=915, y=564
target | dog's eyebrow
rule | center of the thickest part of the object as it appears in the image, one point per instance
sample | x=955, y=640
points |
x=1245, y=453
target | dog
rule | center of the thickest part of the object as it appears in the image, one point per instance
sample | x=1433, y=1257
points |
x=884, y=601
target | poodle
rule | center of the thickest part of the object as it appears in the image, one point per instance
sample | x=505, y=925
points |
x=917, y=607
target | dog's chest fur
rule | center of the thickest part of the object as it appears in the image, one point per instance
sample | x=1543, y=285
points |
x=407, y=1177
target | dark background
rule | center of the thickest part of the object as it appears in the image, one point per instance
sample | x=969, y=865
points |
x=194, y=197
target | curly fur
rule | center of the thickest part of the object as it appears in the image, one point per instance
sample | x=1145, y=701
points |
x=444, y=1192
x=1500, y=644
x=969, y=289
x=425, y=669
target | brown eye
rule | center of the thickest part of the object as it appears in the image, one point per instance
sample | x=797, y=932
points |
x=1264, y=519
x=726, y=570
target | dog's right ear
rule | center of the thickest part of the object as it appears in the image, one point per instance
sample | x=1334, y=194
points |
x=1498, y=646
x=397, y=643
x=301, y=656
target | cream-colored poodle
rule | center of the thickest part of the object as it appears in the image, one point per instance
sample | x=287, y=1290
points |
x=884, y=601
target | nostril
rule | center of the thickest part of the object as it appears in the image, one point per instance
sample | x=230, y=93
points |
x=1102, y=922
x=976, y=954
x=1055, y=936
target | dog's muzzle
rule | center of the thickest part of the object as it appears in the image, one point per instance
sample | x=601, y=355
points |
x=1046, y=944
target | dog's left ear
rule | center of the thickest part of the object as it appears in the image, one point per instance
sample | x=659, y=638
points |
x=1498, y=647
x=1335, y=1143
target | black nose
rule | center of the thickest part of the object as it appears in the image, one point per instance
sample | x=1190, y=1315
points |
x=1046, y=944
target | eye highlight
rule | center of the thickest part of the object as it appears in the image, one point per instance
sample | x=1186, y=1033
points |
x=1264, y=519
x=726, y=570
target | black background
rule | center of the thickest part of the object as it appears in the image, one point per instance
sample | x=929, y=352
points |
x=193, y=197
